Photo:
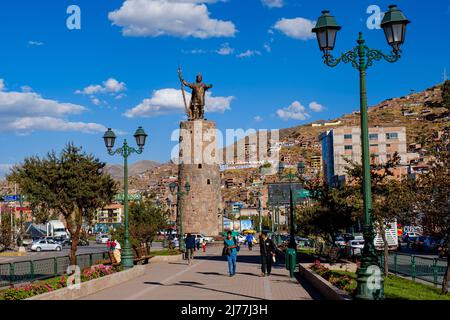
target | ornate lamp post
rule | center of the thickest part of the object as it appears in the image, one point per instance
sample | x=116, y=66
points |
x=125, y=151
x=291, y=177
x=362, y=57
x=176, y=190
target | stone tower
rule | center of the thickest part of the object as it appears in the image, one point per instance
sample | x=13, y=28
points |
x=200, y=168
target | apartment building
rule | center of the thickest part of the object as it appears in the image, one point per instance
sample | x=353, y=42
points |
x=345, y=143
x=110, y=214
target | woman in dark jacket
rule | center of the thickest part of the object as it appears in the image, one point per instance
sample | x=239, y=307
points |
x=267, y=249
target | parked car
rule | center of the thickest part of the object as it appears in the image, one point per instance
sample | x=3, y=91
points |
x=426, y=243
x=81, y=242
x=46, y=245
x=410, y=237
x=340, y=241
x=102, y=239
x=355, y=247
x=201, y=236
x=241, y=238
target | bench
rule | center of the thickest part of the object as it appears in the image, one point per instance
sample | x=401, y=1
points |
x=141, y=256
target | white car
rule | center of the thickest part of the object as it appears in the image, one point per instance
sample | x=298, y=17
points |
x=45, y=245
x=102, y=239
x=241, y=238
x=356, y=247
x=202, y=237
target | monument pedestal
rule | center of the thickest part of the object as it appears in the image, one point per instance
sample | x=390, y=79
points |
x=200, y=168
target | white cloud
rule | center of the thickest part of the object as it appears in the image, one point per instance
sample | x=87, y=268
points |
x=257, y=118
x=225, y=49
x=248, y=54
x=268, y=47
x=35, y=43
x=26, y=111
x=296, y=111
x=316, y=107
x=2, y=84
x=4, y=169
x=195, y=51
x=297, y=28
x=273, y=3
x=179, y=18
x=26, y=89
x=55, y=124
x=166, y=101
x=96, y=101
x=109, y=86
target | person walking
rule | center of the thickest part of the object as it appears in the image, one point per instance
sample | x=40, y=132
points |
x=204, y=245
x=267, y=250
x=230, y=247
x=249, y=240
x=190, y=247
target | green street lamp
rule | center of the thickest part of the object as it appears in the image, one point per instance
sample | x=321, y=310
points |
x=175, y=190
x=291, y=177
x=125, y=151
x=362, y=57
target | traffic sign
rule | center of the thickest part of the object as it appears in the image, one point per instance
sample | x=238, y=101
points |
x=11, y=198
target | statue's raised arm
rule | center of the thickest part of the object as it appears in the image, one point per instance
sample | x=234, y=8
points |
x=184, y=82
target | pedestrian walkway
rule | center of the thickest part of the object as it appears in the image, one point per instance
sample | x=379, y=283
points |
x=207, y=279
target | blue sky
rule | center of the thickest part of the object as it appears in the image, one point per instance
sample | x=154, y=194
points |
x=120, y=69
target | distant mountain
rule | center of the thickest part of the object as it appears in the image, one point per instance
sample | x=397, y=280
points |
x=116, y=170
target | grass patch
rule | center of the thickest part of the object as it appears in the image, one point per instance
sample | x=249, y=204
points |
x=309, y=251
x=165, y=252
x=397, y=288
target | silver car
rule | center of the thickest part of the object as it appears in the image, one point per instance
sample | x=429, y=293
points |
x=45, y=245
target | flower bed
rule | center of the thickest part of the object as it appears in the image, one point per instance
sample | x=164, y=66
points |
x=341, y=281
x=40, y=287
x=395, y=288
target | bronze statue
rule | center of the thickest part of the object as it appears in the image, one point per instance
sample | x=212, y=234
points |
x=196, y=109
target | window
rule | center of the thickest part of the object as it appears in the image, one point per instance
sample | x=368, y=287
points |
x=391, y=135
x=348, y=147
x=388, y=145
x=347, y=136
x=200, y=166
x=373, y=145
x=208, y=181
x=373, y=136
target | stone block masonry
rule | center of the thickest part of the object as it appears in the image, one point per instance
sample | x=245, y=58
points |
x=199, y=167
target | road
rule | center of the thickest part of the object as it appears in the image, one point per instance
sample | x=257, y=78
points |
x=207, y=279
x=92, y=248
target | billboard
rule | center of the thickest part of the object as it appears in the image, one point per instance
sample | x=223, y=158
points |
x=279, y=193
x=237, y=225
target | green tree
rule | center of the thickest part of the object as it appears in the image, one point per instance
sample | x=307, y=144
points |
x=391, y=198
x=72, y=184
x=434, y=197
x=333, y=211
x=145, y=220
x=5, y=230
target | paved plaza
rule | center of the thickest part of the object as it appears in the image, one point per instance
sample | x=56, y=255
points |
x=207, y=279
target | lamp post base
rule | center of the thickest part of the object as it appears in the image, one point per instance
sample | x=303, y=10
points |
x=127, y=258
x=370, y=283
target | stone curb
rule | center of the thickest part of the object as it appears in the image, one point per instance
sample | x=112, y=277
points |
x=325, y=288
x=162, y=259
x=93, y=286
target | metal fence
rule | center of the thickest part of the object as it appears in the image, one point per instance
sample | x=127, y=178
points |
x=417, y=267
x=24, y=271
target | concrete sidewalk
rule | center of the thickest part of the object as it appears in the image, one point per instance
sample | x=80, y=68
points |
x=207, y=279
